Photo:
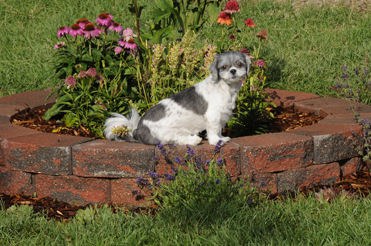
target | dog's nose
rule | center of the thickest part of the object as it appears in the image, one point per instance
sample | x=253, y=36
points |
x=233, y=71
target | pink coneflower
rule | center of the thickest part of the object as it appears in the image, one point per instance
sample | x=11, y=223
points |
x=76, y=30
x=128, y=34
x=92, y=72
x=82, y=22
x=224, y=18
x=130, y=44
x=90, y=31
x=62, y=31
x=70, y=81
x=82, y=75
x=118, y=50
x=260, y=63
x=254, y=88
x=232, y=7
x=249, y=22
x=116, y=27
x=243, y=82
x=104, y=20
x=59, y=45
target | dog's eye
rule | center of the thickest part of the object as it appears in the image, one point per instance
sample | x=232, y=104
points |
x=239, y=64
x=224, y=67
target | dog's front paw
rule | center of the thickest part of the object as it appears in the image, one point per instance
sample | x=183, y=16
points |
x=215, y=140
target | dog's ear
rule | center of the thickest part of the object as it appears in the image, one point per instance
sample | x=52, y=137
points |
x=214, y=69
x=248, y=64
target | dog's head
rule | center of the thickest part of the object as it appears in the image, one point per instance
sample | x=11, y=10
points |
x=232, y=67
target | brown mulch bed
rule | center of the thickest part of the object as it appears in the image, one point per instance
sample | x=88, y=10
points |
x=285, y=119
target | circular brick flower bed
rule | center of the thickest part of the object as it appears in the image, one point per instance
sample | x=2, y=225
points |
x=82, y=170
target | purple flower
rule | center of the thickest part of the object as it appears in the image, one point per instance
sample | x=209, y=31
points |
x=136, y=192
x=220, y=161
x=345, y=76
x=201, y=183
x=116, y=27
x=190, y=151
x=263, y=183
x=153, y=175
x=357, y=72
x=207, y=162
x=118, y=50
x=155, y=159
x=218, y=146
x=217, y=181
x=104, y=20
x=338, y=86
x=62, y=31
x=178, y=160
x=75, y=30
x=344, y=68
x=70, y=81
x=169, y=177
x=162, y=149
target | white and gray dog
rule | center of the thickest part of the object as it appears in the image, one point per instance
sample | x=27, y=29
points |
x=179, y=119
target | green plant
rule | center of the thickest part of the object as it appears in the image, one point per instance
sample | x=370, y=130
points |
x=170, y=15
x=195, y=182
x=85, y=100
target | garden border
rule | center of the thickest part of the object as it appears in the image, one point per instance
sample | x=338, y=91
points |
x=81, y=170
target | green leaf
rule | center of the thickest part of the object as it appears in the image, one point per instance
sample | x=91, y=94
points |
x=164, y=5
x=54, y=110
x=87, y=57
x=213, y=10
x=109, y=60
x=97, y=55
x=70, y=120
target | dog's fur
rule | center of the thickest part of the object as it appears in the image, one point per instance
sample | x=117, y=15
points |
x=179, y=119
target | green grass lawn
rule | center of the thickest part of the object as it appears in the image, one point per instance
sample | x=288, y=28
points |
x=305, y=51
x=300, y=222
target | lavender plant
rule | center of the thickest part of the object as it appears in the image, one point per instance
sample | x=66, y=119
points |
x=195, y=182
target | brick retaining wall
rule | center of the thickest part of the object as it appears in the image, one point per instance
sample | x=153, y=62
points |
x=82, y=170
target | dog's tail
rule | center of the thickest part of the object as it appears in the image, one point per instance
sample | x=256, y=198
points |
x=118, y=121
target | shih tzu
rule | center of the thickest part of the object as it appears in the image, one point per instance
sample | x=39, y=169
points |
x=179, y=119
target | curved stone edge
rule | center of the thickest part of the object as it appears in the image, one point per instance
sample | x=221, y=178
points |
x=82, y=170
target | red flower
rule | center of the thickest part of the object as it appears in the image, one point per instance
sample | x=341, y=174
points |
x=232, y=7
x=224, y=18
x=232, y=37
x=249, y=22
x=245, y=51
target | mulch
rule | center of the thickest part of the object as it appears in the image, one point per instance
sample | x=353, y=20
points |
x=286, y=119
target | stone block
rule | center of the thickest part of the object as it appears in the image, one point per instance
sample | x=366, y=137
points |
x=297, y=179
x=40, y=153
x=12, y=182
x=274, y=152
x=350, y=166
x=103, y=158
x=72, y=189
x=333, y=142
